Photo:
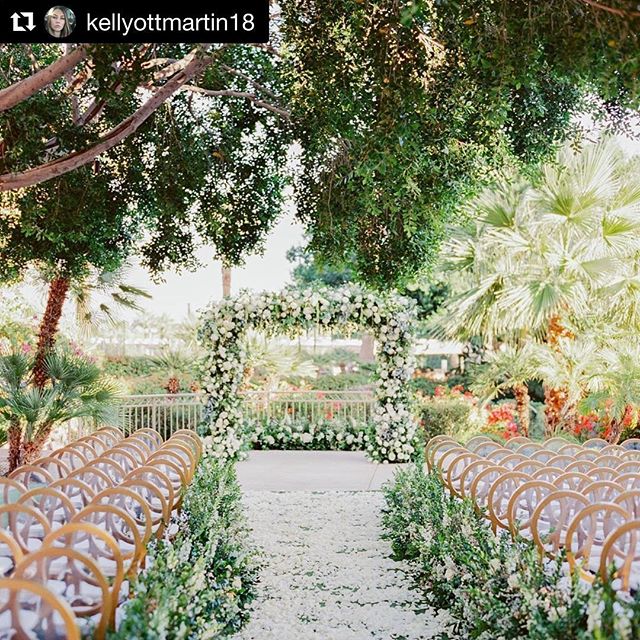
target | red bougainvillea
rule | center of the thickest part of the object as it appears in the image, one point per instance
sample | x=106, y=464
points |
x=502, y=421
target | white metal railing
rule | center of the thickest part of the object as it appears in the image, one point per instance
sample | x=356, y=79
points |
x=309, y=405
x=167, y=413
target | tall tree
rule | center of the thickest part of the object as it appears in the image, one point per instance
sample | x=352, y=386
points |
x=191, y=163
x=401, y=110
x=153, y=194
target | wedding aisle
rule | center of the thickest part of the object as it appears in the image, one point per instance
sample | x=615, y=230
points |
x=326, y=573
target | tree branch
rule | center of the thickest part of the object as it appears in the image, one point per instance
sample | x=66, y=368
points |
x=94, y=110
x=75, y=106
x=249, y=79
x=28, y=49
x=16, y=93
x=113, y=137
x=240, y=94
x=266, y=47
x=618, y=12
x=158, y=62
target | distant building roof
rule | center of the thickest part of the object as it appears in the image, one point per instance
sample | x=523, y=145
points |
x=439, y=347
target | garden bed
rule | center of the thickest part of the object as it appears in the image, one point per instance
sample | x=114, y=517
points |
x=200, y=584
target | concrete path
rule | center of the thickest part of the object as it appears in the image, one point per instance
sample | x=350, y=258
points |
x=313, y=471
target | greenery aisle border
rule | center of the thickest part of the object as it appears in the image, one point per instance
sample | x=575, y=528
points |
x=200, y=584
x=494, y=588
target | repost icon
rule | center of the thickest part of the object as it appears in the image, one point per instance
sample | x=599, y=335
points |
x=23, y=21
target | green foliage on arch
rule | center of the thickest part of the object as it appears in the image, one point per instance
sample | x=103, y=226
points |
x=389, y=317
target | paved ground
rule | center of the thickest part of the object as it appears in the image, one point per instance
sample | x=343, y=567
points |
x=312, y=471
x=326, y=573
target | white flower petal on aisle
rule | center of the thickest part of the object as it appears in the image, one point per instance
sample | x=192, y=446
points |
x=326, y=573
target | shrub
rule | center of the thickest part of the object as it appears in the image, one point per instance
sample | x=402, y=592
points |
x=199, y=585
x=423, y=386
x=334, y=435
x=339, y=382
x=452, y=415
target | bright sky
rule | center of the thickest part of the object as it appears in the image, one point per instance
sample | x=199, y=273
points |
x=185, y=291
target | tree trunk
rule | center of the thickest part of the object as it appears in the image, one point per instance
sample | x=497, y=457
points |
x=554, y=408
x=15, y=443
x=367, y=353
x=226, y=282
x=58, y=289
x=617, y=427
x=31, y=450
x=523, y=402
x=16, y=93
x=555, y=399
x=612, y=431
x=173, y=385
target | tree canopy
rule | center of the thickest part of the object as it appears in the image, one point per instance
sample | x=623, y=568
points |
x=158, y=192
x=405, y=108
x=397, y=110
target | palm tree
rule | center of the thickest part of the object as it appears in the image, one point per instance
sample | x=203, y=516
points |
x=175, y=364
x=615, y=382
x=75, y=388
x=535, y=254
x=99, y=297
x=540, y=259
x=115, y=293
x=568, y=367
x=509, y=369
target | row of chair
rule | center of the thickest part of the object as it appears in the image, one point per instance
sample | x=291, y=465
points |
x=111, y=454
x=81, y=532
x=588, y=506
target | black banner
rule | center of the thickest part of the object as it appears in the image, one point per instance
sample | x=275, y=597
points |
x=119, y=21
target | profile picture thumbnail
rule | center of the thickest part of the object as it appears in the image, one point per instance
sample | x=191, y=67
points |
x=59, y=21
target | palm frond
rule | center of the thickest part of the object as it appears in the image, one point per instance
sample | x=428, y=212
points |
x=504, y=369
x=15, y=368
x=626, y=201
x=100, y=295
x=135, y=291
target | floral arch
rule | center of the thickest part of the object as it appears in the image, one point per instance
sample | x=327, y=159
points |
x=390, y=318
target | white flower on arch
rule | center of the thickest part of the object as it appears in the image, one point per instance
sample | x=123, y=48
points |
x=389, y=317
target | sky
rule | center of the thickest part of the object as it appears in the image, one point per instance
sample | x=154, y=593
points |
x=191, y=291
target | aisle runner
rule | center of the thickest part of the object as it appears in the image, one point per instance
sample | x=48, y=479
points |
x=326, y=573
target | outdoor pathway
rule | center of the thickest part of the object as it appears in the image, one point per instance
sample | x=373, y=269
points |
x=326, y=573
x=313, y=471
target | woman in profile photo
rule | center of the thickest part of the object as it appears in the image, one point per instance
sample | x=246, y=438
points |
x=59, y=21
